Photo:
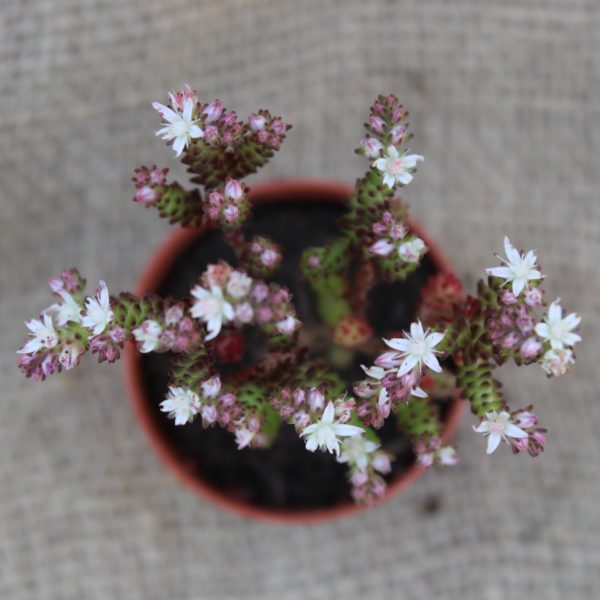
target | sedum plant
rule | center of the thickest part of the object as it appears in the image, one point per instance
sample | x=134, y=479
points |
x=458, y=340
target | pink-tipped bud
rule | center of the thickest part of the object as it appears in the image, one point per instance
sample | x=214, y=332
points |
x=316, y=400
x=530, y=348
x=525, y=419
x=70, y=354
x=233, y=190
x=381, y=463
x=278, y=127
x=508, y=298
x=213, y=111
x=299, y=396
x=382, y=248
x=146, y=195
x=256, y=122
x=388, y=360
x=534, y=297
x=270, y=257
x=56, y=285
x=397, y=134
x=377, y=124
x=371, y=147
x=209, y=415
x=158, y=176
x=397, y=114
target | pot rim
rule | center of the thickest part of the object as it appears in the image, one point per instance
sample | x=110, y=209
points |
x=307, y=190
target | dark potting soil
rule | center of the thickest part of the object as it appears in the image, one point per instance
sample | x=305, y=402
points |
x=285, y=476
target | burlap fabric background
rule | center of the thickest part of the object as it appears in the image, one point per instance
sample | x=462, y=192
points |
x=505, y=102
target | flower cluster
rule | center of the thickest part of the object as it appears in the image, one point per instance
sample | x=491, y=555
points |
x=396, y=375
x=169, y=328
x=67, y=328
x=229, y=207
x=392, y=236
x=228, y=296
x=516, y=429
x=262, y=256
x=514, y=327
x=149, y=184
x=387, y=132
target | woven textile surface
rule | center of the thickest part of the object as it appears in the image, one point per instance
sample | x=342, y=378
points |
x=505, y=103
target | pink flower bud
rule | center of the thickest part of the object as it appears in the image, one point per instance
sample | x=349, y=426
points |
x=213, y=111
x=260, y=292
x=397, y=114
x=117, y=334
x=397, y=134
x=301, y=419
x=525, y=419
x=299, y=396
x=359, y=478
x=269, y=257
x=227, y=400
x=382, y=248
x=211, y=387
x=209, y=415
x=231, y=213
x=244, y=312
x=519, y=444
x=56, y=285
x=211, y=133
x=264, y=314
x=316, y=400
x=507, y=297
x=256, y=122
x=379, y=228
x=381, y=463
x=530, y=348
x=262, y=136
x=377, y=123
x=243, y=437
x=278, y=127
x=388, y=360
x=254, y=424
x=533, y=297
x=158, y=176
x=146, y=195
x=173, y=314
x=371, y=147
x=229, y=119
x=314, y=261
x=233, y=190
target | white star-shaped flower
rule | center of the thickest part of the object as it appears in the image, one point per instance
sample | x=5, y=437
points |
x=148, y=335
x=497, y=427
x=557, y=362
x=397, y=168
x=325, y=433
x=518, y=268
x=211, y=308
x=179, y=127
x=43, y=335
x=556, y=330
x=98, y=314
x=68, y=311
x=182, y=405
x=356, y=450
x=417, y=349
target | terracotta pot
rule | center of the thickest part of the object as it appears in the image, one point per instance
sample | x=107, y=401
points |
x=151, y=279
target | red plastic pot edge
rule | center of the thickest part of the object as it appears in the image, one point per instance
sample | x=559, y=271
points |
x=153, y=275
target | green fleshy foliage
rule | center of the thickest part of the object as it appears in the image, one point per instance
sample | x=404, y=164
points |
x=130, y=311
x=419, y=417
x=256, y=397
x=180, y=206
x=211, y=165
x=479, y=387
x=365, y=206
x=328, y=279
x=191, y=369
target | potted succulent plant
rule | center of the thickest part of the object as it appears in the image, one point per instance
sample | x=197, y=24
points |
x=257, y=328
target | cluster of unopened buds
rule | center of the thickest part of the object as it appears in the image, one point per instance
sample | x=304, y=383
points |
x=392, y=235
x=455, y=341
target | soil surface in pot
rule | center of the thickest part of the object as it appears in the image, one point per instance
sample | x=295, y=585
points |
x=285, y=476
